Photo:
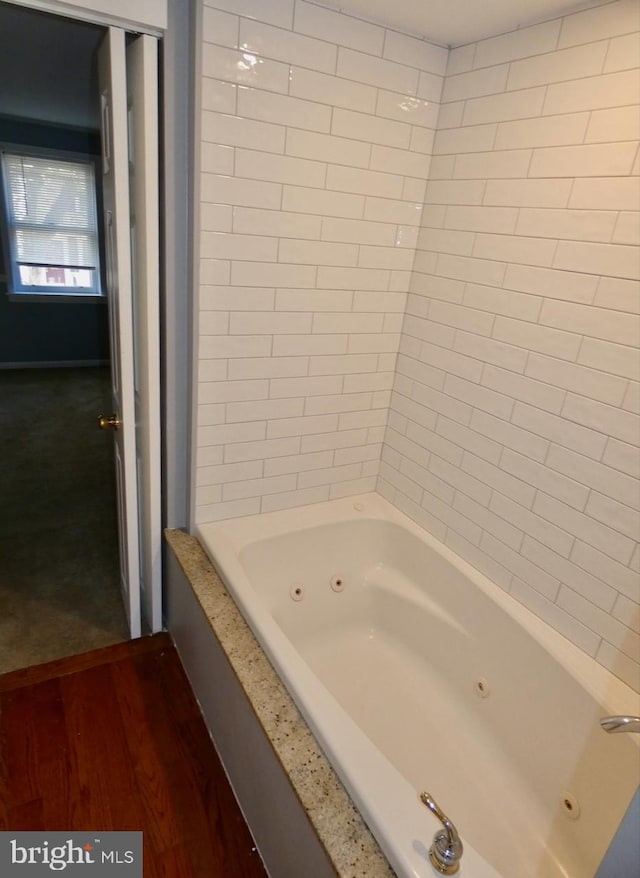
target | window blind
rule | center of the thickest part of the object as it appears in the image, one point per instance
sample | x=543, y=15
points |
x=51, y=211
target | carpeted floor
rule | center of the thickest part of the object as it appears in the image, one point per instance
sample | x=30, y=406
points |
x=59, y=591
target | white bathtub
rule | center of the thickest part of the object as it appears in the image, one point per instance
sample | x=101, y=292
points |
x=416, y=673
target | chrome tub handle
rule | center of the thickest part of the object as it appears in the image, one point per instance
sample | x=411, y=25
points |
x=446, y=850
x=620, y=723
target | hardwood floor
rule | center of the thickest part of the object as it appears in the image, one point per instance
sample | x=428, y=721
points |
x=113, y=739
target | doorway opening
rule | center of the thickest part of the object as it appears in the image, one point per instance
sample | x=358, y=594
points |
x=59, y=565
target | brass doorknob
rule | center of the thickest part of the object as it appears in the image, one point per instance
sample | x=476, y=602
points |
x=105, y=423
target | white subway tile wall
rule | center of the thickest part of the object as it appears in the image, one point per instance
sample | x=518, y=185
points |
x=428, y=285
x=316, y=132
x=513, y=429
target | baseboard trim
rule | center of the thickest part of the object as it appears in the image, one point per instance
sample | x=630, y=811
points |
x=55, y=364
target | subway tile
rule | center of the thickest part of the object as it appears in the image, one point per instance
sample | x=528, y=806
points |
x=327, y=148
x=285, y=45
x=579, y=225
x=454, y=519
x=621, y=122
x=360, y=67
x=477, y=270
x=237, y=66
x=329, y=476
x=617, y=260
x=209, y=456
x=310, y=345
x=455, y=408
x=559, y=66
x=213, y=323
x=562, y=130
x=521, y=43
x=232, y=509
x=254, y=221
x=514, y=249
x=586, y=529
x=215, y=271
x=353, y=278
x=372, y=129
x=461, y=317
x=336, y=27
x=569, y=572
x=335, y=363
x=260, y=274
x=603, y=477
x=544, y=396
x=494, y=524
x=503, y=107
x=356, y=420
x=610, y=571
x=628, y=612
x=455, y=192
x=216, y=159
x=225, y=298
x=364, y=182
x=622, y=53
x=493, y=165
x=502, y=301
x=257, y=487
x=592, y=93
x=470, y=440
x=289, y=499
x=301, y=426
x=227, y=347
x=541, y=477
x=334, y=440
x=247, y=193
x=426, y=480
x=219, y=97
x=229, y=472
x=551, y=283
x=317, y=252
x=607, y=419
x=603, y=21
x=219, y=27
x=528, y=193
x=461, y=481
x=360, y=454
x=373, y=381
x=322, y=202
x=450, y=115
x=399, y=161
x=265, y=449
x=280, y=14
x=210, y=370
x=631, y=400
x=528, y=572
x=608, y=193
x=358, y=231
x=220, y=128
x=501, y=220
x=587, y=640
x=489, y=350
x=510, y=434
x=558, y=429
x=461, y=59
x=488, y=81
x=609, y=357
x=284, y=110
x=232, y=391
x=304, y=387
x=423, y=439
x=603, y=323
x=608, y=511
x=221, y=434
x=208, y=415
x=589, y=160
x=541, y=339
x=627, y=230
x=354, y=486
x=530, y=523
x=216, y=217
x=269, y=323
x=221, y=245
x=392, y=258
x=422, y=140
x=332, y=90
x=347, y=323
x=415, y=52
x=430, y=86
x=252, y=164
x=407, y=108
x=314, y=300
x=477, y=138
x=268, y=367
x=498, y=479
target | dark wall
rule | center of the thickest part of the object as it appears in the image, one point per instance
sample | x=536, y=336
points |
x=50, y=331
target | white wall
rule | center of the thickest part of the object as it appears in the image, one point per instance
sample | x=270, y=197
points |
x=315, y=140
x=513, y=427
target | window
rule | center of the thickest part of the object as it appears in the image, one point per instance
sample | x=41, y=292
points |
x=51, y=223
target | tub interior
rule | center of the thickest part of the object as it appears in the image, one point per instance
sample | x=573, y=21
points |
x=461, y=699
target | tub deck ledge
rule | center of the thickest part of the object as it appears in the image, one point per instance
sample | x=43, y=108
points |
x=350, y=847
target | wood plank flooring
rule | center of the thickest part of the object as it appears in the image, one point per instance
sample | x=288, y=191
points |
x=114, y=739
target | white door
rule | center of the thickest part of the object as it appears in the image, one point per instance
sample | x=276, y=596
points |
x=113, y=98
x=142, y=103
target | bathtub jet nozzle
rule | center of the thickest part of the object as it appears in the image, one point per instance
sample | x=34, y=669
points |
x=446, y=851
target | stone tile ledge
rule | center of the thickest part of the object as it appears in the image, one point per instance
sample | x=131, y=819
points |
x=350, y=846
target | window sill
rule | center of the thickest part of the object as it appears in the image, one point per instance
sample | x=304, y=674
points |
x=60, y=298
